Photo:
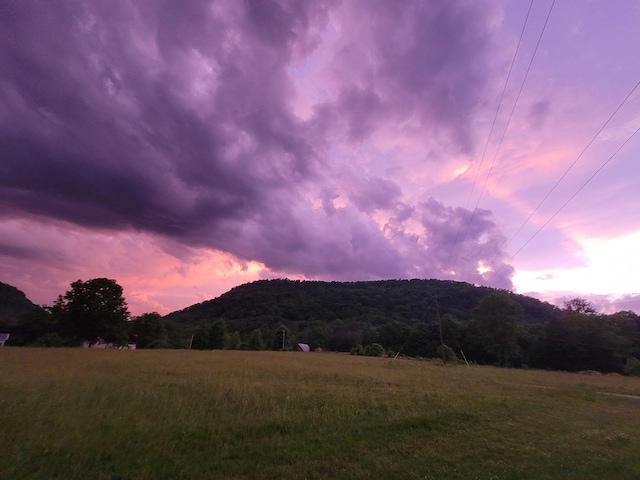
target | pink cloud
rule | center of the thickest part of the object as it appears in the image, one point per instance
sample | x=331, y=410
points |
x=156, y=275
x=184, y=149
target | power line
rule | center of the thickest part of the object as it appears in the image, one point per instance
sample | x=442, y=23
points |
x=604, y=125
x=566, y=203
x=504, y=132
x=486, y=145
x=576, y=160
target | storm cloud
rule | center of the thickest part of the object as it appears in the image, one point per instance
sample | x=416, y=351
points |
x=183, y=120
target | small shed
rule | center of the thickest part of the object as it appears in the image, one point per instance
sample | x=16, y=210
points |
x=303, y=347
x=3, y=338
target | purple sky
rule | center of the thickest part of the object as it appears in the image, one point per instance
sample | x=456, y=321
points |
x=183, y=148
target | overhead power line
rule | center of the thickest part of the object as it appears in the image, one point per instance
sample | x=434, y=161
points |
x=506, y=128
x=576, y=160
x=486, y=145
x=564, y=174
x=566, y=203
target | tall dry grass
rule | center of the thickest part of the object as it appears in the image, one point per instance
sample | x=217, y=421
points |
x=103, y=414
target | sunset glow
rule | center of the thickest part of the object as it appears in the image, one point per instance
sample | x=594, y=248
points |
x=185, y=151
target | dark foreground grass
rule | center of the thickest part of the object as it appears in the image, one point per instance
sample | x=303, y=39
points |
x=91, y=414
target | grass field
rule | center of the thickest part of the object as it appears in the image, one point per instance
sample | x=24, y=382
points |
x=105, y=414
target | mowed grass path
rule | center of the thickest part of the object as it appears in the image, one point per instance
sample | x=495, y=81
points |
x=100, y=414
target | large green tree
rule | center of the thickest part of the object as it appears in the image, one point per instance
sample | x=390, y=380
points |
x=579, y=305
x=150, y=331
x=255, y=341
x=497, y=319
x=217, y=334
x=394, y=334
x=91, y=310
x=200, y=339
x=233, y=341
x=584, y=340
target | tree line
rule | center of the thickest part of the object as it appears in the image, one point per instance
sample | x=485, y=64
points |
x=421, y=318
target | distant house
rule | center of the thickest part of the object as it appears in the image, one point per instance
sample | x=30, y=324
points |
x=102, y=344
x=303, y=347
x=3, y=338
x=97, y=344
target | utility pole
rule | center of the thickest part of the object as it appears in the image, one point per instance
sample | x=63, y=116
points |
x=444, y=359
x=283, y=340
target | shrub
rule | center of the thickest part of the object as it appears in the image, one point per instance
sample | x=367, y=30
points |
x=449, y=354
x=632, y=367
x=51, y=339
x=374, y=350
x=158, y=344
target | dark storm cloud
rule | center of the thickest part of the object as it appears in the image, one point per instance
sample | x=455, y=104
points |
x=344, y=245
x=438, y=243
x=176, y=118
x=94, y=150
x=376, y=193
x=466, y=241
x=23, y=252
x=427, y=62
x=359, y=107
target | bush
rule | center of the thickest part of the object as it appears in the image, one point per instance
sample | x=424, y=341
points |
x=158, y=344
x=632, y=367
x=449, y=354
x=374, y=350
x=51, y=339
x=357, y=350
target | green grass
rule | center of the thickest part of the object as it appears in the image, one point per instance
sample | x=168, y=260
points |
x=104, y=414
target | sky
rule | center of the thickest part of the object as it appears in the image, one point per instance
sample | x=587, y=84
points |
x=184, y=148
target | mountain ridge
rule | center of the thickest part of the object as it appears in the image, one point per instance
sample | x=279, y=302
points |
x=14, y=304
x=264, y=303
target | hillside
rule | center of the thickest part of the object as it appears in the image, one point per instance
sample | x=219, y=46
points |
x=268, y=303
x=14, y=304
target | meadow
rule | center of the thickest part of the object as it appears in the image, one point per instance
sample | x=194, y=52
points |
x=171, y=414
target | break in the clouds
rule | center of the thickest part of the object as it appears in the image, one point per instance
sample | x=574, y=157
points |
x=325, y=139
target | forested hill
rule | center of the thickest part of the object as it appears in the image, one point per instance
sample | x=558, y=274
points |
x=269, y=303
x=14, y=304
